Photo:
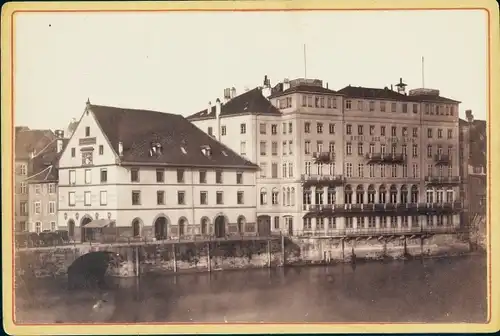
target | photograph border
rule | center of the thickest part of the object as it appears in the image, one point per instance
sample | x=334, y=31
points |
x=9, y=10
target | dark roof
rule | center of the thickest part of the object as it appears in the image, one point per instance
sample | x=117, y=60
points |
x=31, y=140
x=138, y=129
x=478, y=145
x=388, y=94
x=44, y=165
x=278, y=90
x=251, y=101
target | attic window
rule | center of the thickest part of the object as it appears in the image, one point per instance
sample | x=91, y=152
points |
x=224, y=153
x=206, y=150
x=183, y=150
x=156, y=149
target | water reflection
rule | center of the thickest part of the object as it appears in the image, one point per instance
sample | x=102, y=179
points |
x=433, y=290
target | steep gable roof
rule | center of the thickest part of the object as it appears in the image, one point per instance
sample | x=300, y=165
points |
x=181, y=141
x=27, y=141
x=44, y=165
x=251, y=101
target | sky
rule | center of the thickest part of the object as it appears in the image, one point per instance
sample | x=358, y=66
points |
x=178, y=62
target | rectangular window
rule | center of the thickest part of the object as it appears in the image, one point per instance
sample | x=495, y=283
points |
x=88, y=176
x=243, y=148
x=134, y=175
x=87, y=131
x=73, y=152
x=450, y=133
x=160, y=197
x=104, y=175
x=348, y=104
x=262, y=148
x=262, y=128
x=348, y=148
x=220, y=197
x=274, y=170
x=101, y=149
x=37, y=189
x=393, y=107
x=240, y=197
x=415, y=132
x=307, y=147
x=393, y=131
x=243, y=129
x=405, y=108
x=348, y=129
x=331, y=128
x=72, y=177
x=71, y=198
x=360, y=148
x=372, y=130
x=23, y=208
x=38, y=227
x=360, y=129
x=274, y=129
x=218, y=177
x=52, y=207
x=181, y=197
x=52, y=226
x=203, y=176
x=284, y=149
x=223, y=130
x=415, y=108
x=319, y=128
x=160, y=175
x=210, y=131
x=307, y=127
x=429, y=133
x=290, y=128
x=203, y=197
x=180, y=175
x=382, y=130
x=87, y=199
x=274, y=148
x=103, y=197
x=37, y=208
x=440, y=133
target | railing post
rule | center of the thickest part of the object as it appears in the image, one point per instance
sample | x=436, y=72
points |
x=175, y=258
x=283, y=254
x=209, y=261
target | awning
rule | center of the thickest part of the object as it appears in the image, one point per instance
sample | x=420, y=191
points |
x=99, y=223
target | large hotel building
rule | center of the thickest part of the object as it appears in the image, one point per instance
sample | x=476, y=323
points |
x=380, y=158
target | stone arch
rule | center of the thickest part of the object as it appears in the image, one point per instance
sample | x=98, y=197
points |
x=241, y=221
x=404, y=194
x=89, y=269
x=220, y=225
x=160, y=226
x=71, y=228
x=86, y=235
x=182, y=223
x=137, y=225
x=204, y=225
x=393, y=192
x=382, y=194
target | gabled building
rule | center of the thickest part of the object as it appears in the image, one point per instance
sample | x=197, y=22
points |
x=43, y=186
x=356, y=158
x=27, y=144
x=152, y=174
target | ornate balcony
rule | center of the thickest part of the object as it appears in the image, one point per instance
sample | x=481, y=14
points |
x=442, y=159
x=321, y=180
x=386, y=158
x=396, y=209
x=324, y=157
x=442, y=180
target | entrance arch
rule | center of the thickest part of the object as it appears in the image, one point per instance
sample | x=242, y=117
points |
x=264, y=225
x=241, y=224
x=136, y=227
x=160, y=227
x=220, y=226
x=204, y=226
x=86, y=235
x=71, y=229
x=182, y=226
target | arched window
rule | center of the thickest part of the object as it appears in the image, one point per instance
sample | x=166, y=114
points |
x=292, y=203
x=371, y=194
x=288, y=196
x=241, y=224
x=275, y=196
x=382, y=194
x=414, y=194
x=348, y=194
x=204, y=226
x=306, y=196
x=429, y=195
x=263, y=196
x=182, y=226
x=404, y=194
x=360, y=194
x=394, y=194
x=331, y=195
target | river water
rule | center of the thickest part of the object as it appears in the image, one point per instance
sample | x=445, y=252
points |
x=429, y=290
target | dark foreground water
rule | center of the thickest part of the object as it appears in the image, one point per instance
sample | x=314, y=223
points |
x=431, y=290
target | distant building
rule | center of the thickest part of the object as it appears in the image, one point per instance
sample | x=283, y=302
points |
x=152, y=174
x=349, y=159
x=27, y=144
x=43, y=184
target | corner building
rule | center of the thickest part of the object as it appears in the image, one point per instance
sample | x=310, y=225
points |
x=152, y=174
x=354, y=159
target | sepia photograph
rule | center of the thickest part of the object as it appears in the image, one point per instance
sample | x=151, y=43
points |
x=247, y=164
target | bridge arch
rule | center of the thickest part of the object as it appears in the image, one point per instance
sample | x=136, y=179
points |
x=89, y=269
x=220, y=225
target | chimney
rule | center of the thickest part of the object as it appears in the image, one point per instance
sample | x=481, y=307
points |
x=233, y=92
x=327, y=85
x=32, y=154
x=209, y=108
x=59, y=144
x=120, y=148
x=392, y=89
x=266, y=88
x=286, y=84
x=227, y=95
x=469, y=116
x=218, y=106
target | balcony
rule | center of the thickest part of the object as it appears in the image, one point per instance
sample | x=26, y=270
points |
x=396, y=209
x=324, y=157
x=442, y=159
x=442, y=180
x=391, y=158
x=322, y=180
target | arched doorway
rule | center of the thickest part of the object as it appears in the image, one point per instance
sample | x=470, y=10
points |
x=136, y=227
x=204, y=226
x=182, y=226
x=264, y=225
x=86, y=235
x=71, y=229
x=220, y=227
x=241, y=225
x=160, y=226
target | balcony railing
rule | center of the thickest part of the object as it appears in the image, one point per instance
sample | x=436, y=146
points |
x=386, y=158
x=442, y=180
x=374, y=231
x=395, y=208
x=321, y=180
x=324, y=157
x=442, y=159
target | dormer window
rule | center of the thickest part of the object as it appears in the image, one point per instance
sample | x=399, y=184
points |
x=183, y=150
x=156, y=149
x=206, y=150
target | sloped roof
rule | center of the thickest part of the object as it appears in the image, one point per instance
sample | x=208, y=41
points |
x=45, y=164
x=388, y=94
x=138, y=129
x=31, y=140
x=251, y=101
x=278, y=90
